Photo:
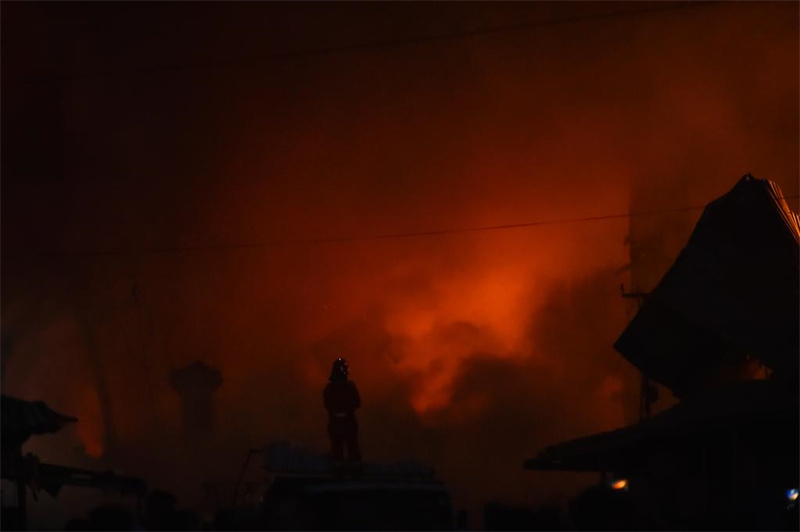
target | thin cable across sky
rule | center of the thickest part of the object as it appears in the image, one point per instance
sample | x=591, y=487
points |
x=352, y=238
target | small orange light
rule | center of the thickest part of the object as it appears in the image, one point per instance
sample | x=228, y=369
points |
x=619, y=484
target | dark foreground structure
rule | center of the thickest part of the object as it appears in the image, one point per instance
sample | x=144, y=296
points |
x=721, y=331
x=319, y=503
x=19, y=421
x=304, y=492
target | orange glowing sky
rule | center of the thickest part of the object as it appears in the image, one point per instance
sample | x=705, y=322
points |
x=487, y=344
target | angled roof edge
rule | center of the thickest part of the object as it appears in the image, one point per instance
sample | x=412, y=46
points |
x=731, y=294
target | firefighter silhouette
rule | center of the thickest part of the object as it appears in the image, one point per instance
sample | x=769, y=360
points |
x=341, y=401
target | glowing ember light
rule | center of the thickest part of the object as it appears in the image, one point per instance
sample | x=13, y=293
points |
x=792, y=494
x=619, y=484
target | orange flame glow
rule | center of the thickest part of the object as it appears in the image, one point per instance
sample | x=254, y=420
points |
x=620, y=484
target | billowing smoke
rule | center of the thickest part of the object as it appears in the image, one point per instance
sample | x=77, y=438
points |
x=472, y=351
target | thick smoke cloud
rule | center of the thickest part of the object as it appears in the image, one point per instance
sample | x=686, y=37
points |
x=472, y=351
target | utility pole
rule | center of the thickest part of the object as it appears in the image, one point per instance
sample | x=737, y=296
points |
x=648, y=393
x=651, y=243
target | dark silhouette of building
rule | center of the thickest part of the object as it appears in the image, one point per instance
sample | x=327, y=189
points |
x=110, y=517
x=499, y=516
x=158, y=510
x=19, y=421
x=196, y=384
x=721, y=330
x=300, y=493
x=309, y=503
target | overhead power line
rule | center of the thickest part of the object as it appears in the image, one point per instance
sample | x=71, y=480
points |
x=350, y=239
x=388, y=43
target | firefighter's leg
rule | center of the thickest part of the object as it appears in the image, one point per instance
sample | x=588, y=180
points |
x=337, y=447
x=337, y=442
x=351, y=437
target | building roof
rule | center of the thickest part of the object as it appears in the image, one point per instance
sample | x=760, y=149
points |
x=731, y=294
x=22, y=419
x=733, y=406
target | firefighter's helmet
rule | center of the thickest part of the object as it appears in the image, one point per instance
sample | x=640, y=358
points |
x=339, y=370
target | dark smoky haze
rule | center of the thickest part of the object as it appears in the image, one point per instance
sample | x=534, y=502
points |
x=162, y=161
